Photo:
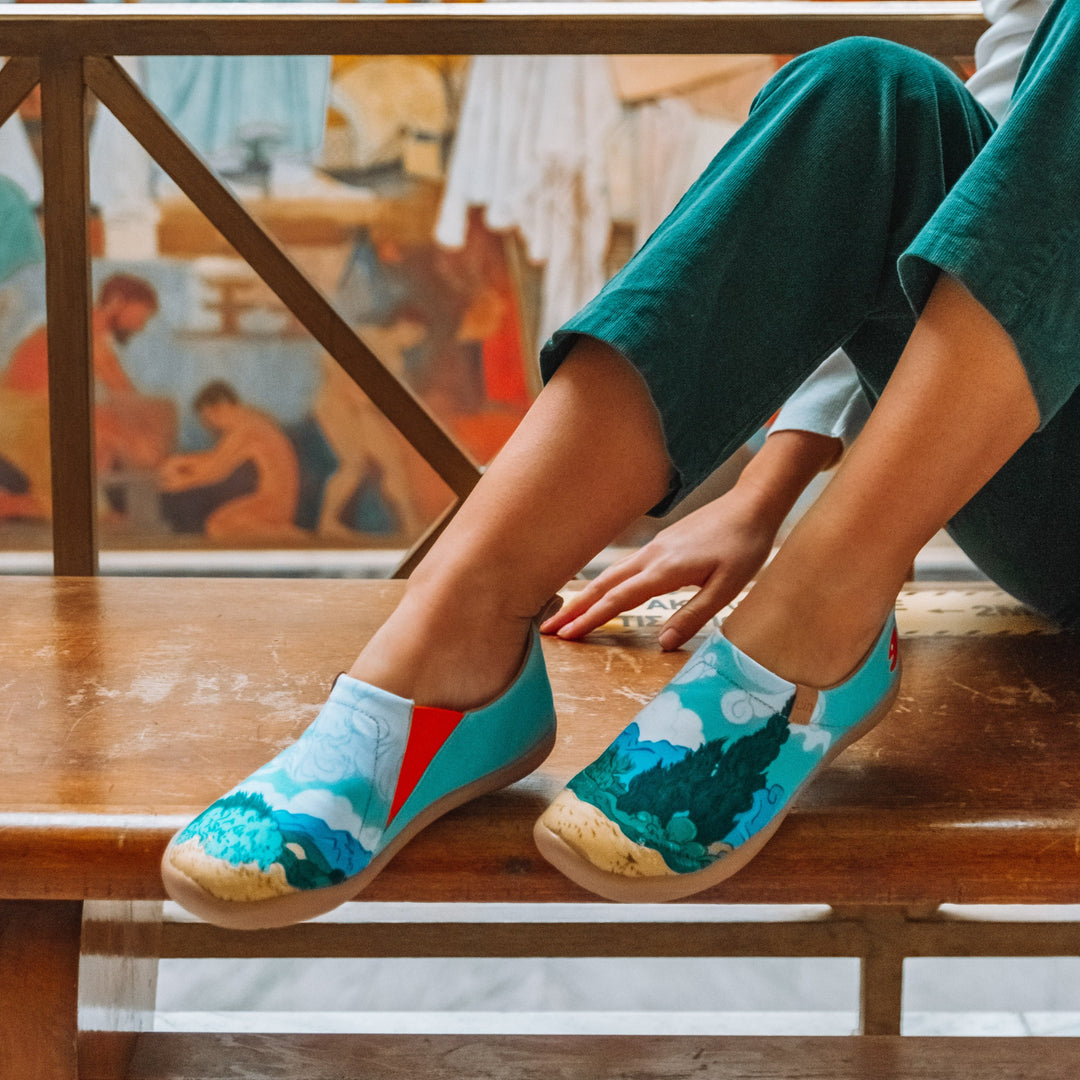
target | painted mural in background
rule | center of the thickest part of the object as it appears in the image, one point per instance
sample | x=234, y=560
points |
x=217, y=415
x=451, y=231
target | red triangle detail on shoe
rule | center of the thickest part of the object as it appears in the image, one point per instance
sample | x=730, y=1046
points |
x=428, y=732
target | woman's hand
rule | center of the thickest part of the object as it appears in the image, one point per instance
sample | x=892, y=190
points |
x=717, y=548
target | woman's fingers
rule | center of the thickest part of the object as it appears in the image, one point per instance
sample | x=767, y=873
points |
x=683, y=624
x=598, y=587
x=629, y=594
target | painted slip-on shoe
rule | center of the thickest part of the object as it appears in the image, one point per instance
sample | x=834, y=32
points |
x=311, y=828
x=696, y=785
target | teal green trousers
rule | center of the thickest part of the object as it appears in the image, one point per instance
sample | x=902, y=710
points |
x=865, y=169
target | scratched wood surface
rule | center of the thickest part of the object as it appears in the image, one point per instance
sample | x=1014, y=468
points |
x=129, y=704
x=450, y=1057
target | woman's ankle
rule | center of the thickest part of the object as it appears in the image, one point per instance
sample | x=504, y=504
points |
x=444, y=654
x=816, y=639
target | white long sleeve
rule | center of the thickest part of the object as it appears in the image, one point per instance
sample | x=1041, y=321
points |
x=830, y=402
x=1000, y=50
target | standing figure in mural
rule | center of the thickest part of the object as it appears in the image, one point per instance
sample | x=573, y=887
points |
x=871, y=202
x=246, y=435
x=131, y=430
x=362, y=438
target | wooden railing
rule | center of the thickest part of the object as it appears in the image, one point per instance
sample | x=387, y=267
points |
x=68, y=49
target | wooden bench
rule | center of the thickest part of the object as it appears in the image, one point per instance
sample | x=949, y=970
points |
x=129, y=704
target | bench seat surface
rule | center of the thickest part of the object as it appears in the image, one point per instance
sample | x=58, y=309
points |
x=129, y=704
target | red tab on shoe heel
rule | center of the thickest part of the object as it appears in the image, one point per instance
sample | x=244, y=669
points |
x=429, y=730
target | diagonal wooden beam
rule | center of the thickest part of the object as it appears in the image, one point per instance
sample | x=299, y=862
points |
x=119, y=93
x=17, y=78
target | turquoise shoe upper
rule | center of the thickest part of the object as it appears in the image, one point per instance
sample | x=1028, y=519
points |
x=487, y=739
x=370, y=762
x=713, y=758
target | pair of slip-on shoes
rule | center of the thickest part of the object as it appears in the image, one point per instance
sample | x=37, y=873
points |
x=688, y=793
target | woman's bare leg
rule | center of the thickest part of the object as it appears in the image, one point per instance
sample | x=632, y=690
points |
x=587, y=460
x=956, y=408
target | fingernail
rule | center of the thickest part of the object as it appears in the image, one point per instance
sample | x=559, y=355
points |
x=669, y=640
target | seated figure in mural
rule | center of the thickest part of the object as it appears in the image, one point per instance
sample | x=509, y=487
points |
x=245, y=435
x=131, y=430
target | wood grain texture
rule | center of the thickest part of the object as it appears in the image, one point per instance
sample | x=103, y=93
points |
x=66, y=174
x=819, y=936
x=799, y=937
x=452, y=1057
x=39, y=974
x=401, y=407
x=148, y=698
x=948, y=28
x=17, y=78
x=881, y=987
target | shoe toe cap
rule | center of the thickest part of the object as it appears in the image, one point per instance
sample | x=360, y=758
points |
x=594, y=837
x=225, y=879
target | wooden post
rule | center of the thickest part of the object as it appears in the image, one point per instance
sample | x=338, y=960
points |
x=39, y=978
x=68, y=307
x=881, y=984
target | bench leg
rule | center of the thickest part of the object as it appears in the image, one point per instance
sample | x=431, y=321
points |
x=39, y=981
x=882, y=983
x=121, y=943
x=881, y=990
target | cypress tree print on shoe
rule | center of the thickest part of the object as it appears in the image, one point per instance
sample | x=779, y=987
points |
x=694, y=787
x=312, y=827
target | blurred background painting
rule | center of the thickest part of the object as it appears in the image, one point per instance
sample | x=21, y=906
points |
x=454, y=210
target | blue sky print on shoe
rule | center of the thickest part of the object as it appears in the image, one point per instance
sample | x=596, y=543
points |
x=242, y=828
x=766, y=805
x=319, y=808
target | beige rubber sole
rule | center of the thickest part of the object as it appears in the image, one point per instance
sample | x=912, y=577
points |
x=299, y=906
x=656, y=890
